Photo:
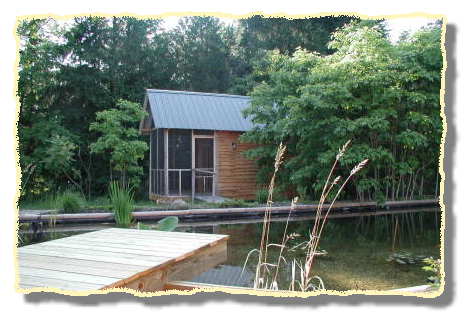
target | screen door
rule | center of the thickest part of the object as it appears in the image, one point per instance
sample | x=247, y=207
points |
x=204, y=163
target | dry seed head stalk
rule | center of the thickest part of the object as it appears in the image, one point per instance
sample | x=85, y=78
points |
x=359, y=166
x=279, y=156
x=293, y=235
x=294, y=201
x=343, y=150
x=336, y=180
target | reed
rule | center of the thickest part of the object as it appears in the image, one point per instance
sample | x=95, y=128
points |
x=266, y=274
x=122, y=204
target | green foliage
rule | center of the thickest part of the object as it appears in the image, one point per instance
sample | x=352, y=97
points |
x=261, y=195
x=69, y=201
x=203, y=51
x=404, y=257
x=67, y=73
x=233, y=203
x=59, y=155
x=384, y=96
x=119, y=138
x=122, y=204
x=168, y=224
x=165, y=224
x=433, y=266
x=286, y=35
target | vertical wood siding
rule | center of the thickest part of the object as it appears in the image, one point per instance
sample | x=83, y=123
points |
x=236, y=174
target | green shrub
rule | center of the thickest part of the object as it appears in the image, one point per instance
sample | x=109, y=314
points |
x=261, y=195
x=69, y=201
x=434, y=267
x=122, y=204
x=233, y=204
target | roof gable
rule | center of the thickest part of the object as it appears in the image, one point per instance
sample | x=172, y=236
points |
x=200, y=111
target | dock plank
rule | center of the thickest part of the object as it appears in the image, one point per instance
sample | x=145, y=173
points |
x=145, y=240
x=67, y=276
x=110, y=242
x=94, y=255
x=39, y=282
x=182, y=240
x=155, y=234
x=108, y=247
x=79, y=266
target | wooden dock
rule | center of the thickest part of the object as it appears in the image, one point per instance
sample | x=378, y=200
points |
x=144, y=260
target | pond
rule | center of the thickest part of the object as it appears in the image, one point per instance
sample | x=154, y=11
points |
x=357, y=248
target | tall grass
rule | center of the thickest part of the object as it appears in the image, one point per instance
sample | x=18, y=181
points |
x=267, y=272
x=122, y=204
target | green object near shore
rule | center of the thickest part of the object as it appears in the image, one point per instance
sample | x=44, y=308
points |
x=166, y=224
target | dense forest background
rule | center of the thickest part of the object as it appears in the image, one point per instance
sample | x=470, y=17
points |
x=315, y=83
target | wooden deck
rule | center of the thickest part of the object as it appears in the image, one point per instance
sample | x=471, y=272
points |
x=144, y=260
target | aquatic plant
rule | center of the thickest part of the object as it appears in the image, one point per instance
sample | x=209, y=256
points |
x=122, y=202
x=266, y=274
x=166, y=224
x=404, y=257
x=433, y=266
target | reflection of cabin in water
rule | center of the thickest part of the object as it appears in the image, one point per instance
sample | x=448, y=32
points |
x=194, y=144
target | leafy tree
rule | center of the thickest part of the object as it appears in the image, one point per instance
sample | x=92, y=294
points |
x=37, y=124
x=203, y=54
x=59, y=158
x=383, y=96
x=69, y=72
x=286, y=35
x=258, y=35
x=119, y=139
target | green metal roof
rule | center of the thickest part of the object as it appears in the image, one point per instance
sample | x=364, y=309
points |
x=200, y=111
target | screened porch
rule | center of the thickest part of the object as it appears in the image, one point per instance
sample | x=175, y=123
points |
x=182, y=162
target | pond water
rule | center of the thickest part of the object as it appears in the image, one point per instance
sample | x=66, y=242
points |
x=357, y=248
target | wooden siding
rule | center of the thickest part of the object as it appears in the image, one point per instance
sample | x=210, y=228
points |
x=236, y=174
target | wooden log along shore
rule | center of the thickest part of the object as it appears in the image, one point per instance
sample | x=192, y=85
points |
x=144, y=260
x=200, y=213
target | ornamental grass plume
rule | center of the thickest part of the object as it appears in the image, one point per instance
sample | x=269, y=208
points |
x=266, y=274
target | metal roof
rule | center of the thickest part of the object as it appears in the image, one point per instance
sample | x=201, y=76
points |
x=200, y=111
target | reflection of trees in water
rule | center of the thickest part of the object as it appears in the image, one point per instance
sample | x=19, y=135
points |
x=397, y=229
x=239, y=233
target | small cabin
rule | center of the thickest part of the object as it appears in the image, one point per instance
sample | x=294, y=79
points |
x=194, y=145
